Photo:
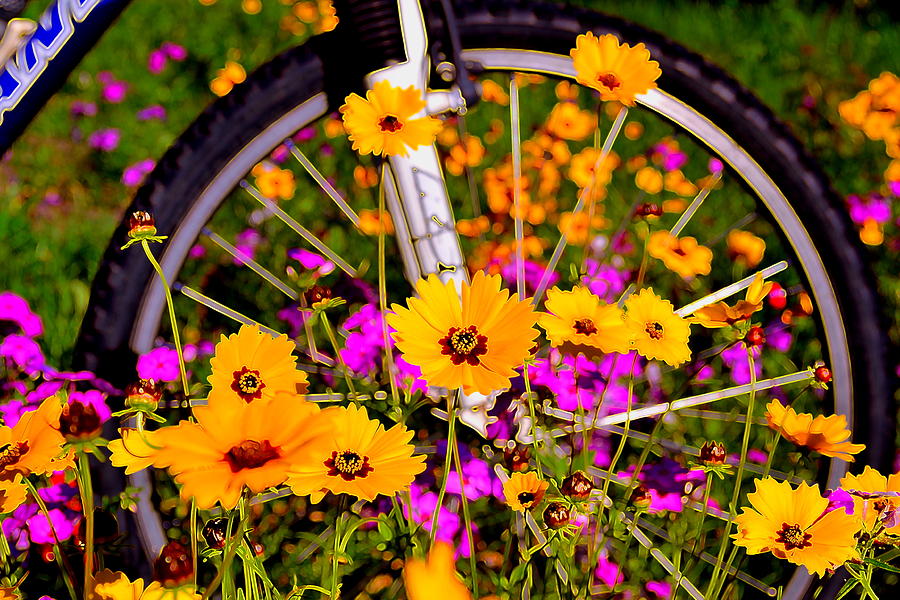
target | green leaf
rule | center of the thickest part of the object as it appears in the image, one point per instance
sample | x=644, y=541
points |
x=385, y=530
x=881, y=565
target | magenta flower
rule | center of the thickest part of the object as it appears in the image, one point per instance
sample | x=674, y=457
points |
x=15, y=308
x=23, y=352
x=197, y=251
x=39, y=529
x=154, y=111
x=735, y=358
x=156, y=61
x=105, y=140
x=95, y=399
x=660, y=589
x=83, y=109
x=608, y=572
x=174, y=51
x=246, y=243
x=160, y=364
x=409, y=376
x=479, y=481
x=840, y=499
x=312, y=261
x=114, y=92
x=873, y=207
x=605, y=281
x=716, y=165
x=135, y=174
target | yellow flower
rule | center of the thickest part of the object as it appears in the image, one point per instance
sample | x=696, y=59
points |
x=874, y=110
x=745, y=247
x=475, y=343
x=383, y=123
x=34, y=444
x=682, y=255
x=792, y=524
x=9, y=594
x=675, y=181
x=109, y=585
x=649, y=180
x=227, y=78
x=618, y=71
x=575, y=226
x=135, y=450
x=580, y=320
x=371, y=224
x=12, y=494
x=871, y=508
x=235, y=445
x=253, y=365
x=435, y=577
x=524, y=491
x=468, y=153
x=491, y=91
x=273, y=182
x=721, y=314
x=826, y=435
x=359, y=457
x=581, y=171
x=473, y=227
x=658, y=332
x=569, y=122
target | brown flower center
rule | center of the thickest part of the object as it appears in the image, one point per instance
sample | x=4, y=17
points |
x=793, y=537
x=11, y=452
x=248, y=384
x=250, y=454
x=526, y=499
x=655, y=330
x=609, y=80
x=348, y=465
x=463, y=345
x=584, y=327
x=390, y=124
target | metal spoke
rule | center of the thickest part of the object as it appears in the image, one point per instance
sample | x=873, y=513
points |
x=579, y=206
x=730, y=290
x=662, y=559
x=688, y=213
x=517, y=184
x=302, y=231
x=254, y=266
x=221, y=308
x=323, y=183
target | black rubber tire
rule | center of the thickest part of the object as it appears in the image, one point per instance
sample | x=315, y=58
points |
x=231, y=122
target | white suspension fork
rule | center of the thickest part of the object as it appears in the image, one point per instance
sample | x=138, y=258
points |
x=416, y=193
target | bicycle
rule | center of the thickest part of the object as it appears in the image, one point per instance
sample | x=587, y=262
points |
x=302, y=86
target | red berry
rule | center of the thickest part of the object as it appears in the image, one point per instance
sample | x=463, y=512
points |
x=756, y=336
x=777, y=296
x=823, y=374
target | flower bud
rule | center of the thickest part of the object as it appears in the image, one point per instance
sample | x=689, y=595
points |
x=141, y=224
x=556, y=515
x=173, y=567
x=143, y=395
x=577, y=486
x=79, y=422
x=777, y=296
x=214, y=533
x=712, y=453
x=516, y=459
x=647, y=209
x=316, y=294
x=823, y=374
x=755, y=337
x=640, y=497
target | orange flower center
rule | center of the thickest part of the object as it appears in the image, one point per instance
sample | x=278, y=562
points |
x=526, y=499
x=390, y=124
x=250, y=454
x=348, y=465
x=248, y=384
x=655, y=330
x=11, y=452
x=609, y=80
x=584, y=327
x=793, y=537
x=463, y=345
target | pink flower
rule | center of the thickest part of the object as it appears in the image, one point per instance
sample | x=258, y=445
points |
x=15, y=308
x=660, y=589
x=311, y=260
x=156, y=61
x=39, y=529
x=174, y=51
x=83, y=109
x=135, y=174
x=874, y=206
x=105, y=140
x=23, y=352
x=608, y=572
x=154, y=111
x=160, y=364
x=95, y=399
x=246, y=243
x=716, y=165
x=114, y=92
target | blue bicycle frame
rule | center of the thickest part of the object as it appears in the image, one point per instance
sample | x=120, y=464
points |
x=65, y=33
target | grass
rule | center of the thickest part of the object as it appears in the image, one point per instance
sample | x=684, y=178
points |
x=783, y=51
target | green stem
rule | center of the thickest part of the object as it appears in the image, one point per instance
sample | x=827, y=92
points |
x=194, y=539
x=249, y=580
x=335, y=563
x=467, y=519
x=171, y=305
x=534, y=438
x=697, y=536
x=83, y=474
x=329, y=331
x=451, y=440
x=621, y=447
x=230, y=550
x=382, y=291
x=57, y=549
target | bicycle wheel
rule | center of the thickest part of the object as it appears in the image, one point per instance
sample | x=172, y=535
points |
x=194, y=186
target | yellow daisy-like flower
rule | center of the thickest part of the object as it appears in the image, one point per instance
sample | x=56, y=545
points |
x=34, y=444
x=569, y=122
x=12, y=494
x=577, y=227
x=9, y=594
x=358, y=457
x=235, y=445
x=253, y=365
x=582, y=171
x=435, y=577
x=135, y=450
x=580, y=322
x=826, y=435
x=524, y=491
x=722, y=314
x=474, y=343
x=658, y=332
x=871, y=508
x=109, y=585
x=618, y=71
x=792, y=524
x=682, y=255
x=383, y=123
x=649, y=180
x=745, y=247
